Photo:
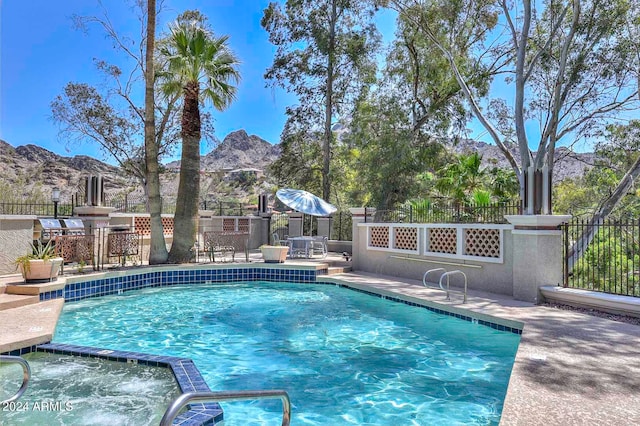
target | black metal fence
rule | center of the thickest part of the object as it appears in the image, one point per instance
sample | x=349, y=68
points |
x=448, y=212
x=341, y=225
x=37, y=209
x=611, y=261
x=228, y=208
x=342, y=229
x=128, y=203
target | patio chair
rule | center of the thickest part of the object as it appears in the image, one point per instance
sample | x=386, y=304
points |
x=279, y=242
x=319, y=245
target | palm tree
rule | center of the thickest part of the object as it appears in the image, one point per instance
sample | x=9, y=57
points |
x=201, y=67
x=462, y=178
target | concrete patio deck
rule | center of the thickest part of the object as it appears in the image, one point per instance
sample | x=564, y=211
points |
x=571, y=368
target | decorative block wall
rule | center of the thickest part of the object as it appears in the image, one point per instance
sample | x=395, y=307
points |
x=455, y=241
x=442, y=240
x=482, y=242
x=379, y=236
x=406, y=239
x=143, y=225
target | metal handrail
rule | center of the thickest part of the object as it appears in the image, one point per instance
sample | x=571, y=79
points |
x=424, y=277
x=447, y=274
x=26, y=375
x=185, y=398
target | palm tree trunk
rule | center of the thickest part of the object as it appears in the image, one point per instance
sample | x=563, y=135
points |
x=158, y=249
x=184, y=229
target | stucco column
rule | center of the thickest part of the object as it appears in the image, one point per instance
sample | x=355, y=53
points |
x=358, y=241
x=263, y=230
x=324, y=226
x=295, y=224
x=537, y=254
x=94, y=217
x=16, y=236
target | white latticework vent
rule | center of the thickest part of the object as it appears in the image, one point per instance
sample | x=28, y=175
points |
x=482, y=242
x=443, y=240
x=379, y=236
x=143, y=225
x=243, y=225
x=406, y=239
x=228, y=224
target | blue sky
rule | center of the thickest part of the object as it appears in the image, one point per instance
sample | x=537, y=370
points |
x=41, y=51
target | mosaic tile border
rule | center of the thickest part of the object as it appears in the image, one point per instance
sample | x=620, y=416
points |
x=104, y=286
x=471, y=319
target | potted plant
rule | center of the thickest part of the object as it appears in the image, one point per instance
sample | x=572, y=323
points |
x=274, y=254
x=40, y=265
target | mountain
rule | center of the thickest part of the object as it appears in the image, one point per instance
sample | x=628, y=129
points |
x=238, y=150
x=29, y=167
x=568, y=164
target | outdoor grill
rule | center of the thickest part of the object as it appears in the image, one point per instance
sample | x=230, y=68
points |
x=46, y=229
x=73, y=226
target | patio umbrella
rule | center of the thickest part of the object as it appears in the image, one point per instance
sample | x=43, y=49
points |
x=305, y=202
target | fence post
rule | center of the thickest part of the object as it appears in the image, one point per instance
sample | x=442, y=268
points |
x=565, y=260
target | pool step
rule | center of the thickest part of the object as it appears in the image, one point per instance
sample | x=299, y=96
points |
x=10, y=301
x=333, y=270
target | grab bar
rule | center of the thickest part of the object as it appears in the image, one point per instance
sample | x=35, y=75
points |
x=26, y=375
x=185, y=398
x=447, y=274
x=424, y=277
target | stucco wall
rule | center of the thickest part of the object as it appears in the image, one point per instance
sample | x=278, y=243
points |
x=492, y=277
x=16, y=234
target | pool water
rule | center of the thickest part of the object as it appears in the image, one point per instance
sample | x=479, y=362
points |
x=344, y=357
x=69, y=390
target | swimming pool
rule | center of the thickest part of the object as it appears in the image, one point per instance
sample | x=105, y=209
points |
x=343, y=356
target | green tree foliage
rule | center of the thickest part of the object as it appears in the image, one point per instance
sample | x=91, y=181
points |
x=462, y=178
x=299, y=165
x=568, y=65
x=422, y=78
x=616, y=152
x=390, y=159
x=325, y=53
x=200, y=67
x=610, y=262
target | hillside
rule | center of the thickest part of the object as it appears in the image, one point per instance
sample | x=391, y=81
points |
x=238, y=150
x=568, y=164
x=31, y=166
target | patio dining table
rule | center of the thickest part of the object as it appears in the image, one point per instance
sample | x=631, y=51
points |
x=300, y=246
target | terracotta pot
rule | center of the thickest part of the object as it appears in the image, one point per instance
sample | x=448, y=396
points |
x=274, y=254
x=41, y=271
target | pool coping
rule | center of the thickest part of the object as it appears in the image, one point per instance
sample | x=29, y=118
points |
x=565, y=359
